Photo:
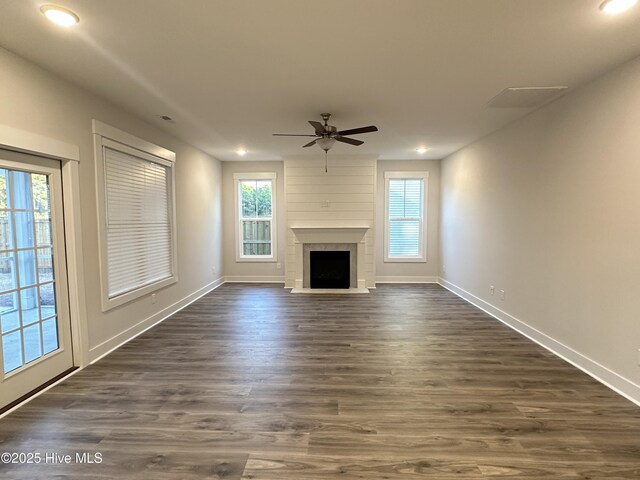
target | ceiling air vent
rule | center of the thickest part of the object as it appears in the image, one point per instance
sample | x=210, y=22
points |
x=526, y=97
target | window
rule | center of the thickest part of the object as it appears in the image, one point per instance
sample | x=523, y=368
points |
x=255, y=216
x=404, y=225
x=136, y=212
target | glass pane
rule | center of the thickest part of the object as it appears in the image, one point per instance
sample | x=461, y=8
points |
x=45, y=265
x=12, y=351
x=248, y=193
x=396, y=198
x=404, y=238
x=22, y=195
x=7, y=272
x=258, y=231
x=29, y=305
x=24, y=229
x=50, y=335
x=27, y=267
x=405, y=198
x=40, y=186
x=413, y=198
x=32, y=346
x=47, y=300
x=9, y=316
x=43, y=230
x=25, y=222
x=256, y=238
x=256, y=198
x=256, y=249
x=4, y=189
x=263, y=194
x=6, y=231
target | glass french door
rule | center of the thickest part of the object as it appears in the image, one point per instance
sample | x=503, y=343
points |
x=34, y=312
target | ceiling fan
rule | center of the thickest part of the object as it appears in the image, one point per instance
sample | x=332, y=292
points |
x=327, y=135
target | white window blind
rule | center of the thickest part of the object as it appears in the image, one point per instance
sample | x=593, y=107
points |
x=405, y=218
x=138, y=221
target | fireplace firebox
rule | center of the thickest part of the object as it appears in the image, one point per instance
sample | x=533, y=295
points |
x=329, y=269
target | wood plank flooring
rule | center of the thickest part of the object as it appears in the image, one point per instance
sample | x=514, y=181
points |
x=252, y=382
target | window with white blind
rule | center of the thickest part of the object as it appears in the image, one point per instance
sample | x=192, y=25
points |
x=137, y=223
x=405, y=194
x=255, y=214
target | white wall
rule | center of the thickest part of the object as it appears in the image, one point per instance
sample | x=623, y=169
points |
x=36, y=101
x=548, y=209
x=405, y=271
x=348, y=187
x=251, y=271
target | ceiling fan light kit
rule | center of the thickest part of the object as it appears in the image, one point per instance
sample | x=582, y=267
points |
x=325, y=143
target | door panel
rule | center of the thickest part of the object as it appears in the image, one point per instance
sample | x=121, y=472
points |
x=34, y=312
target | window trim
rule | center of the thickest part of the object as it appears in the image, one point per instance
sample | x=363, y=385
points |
x=424, y=176
x=237, y=178
x=106, y=136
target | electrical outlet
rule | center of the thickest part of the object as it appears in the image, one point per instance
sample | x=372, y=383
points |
x=492, y=289
x=502, y=294
x=444, y=270
x=153, y=298
x=278, y=265
x=639, y=357
x=214, y=269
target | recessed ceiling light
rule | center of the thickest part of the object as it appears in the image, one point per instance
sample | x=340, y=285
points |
x=59, y=15
x=617, y=6
x=422, y=150
x=241, y=151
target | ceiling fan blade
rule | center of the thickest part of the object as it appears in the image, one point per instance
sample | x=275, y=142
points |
x=318, y=127
x=309, y=144
x=350, y=141
x=291, y=135
x=355, y=131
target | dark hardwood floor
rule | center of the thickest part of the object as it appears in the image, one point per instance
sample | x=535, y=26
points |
x=253, y=382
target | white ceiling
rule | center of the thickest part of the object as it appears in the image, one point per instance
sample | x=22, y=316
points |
x=232, y=72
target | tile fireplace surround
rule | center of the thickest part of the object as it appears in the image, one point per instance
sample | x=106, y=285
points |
x=309, y=239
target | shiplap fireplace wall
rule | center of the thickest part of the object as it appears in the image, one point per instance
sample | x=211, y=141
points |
x=341, y=199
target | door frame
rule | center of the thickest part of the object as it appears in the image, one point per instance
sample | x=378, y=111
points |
x=69, y=156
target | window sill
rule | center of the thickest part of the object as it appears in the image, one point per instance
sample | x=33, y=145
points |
x=256, y=260
x=405, y=260
x=109, y=303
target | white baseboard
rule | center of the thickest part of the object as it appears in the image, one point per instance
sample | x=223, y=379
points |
x=611, y=379
x=406, y=279
x=108, y=346
x=253, y=279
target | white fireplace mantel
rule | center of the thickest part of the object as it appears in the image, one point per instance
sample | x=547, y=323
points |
x=329, y=234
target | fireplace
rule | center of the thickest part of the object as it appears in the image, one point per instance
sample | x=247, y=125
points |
x=329, y=269
x=349, y=244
